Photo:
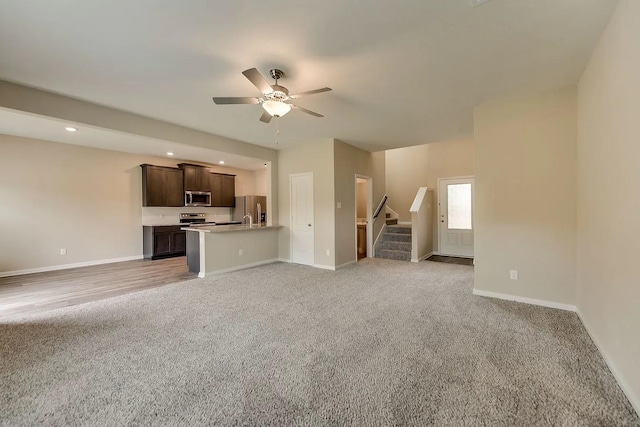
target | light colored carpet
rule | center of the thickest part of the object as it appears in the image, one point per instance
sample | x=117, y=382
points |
x=380, y=343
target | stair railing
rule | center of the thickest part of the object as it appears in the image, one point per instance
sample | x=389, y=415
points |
x=380, y=206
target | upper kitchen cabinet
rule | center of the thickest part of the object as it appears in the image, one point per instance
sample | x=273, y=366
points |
x=228, y=191
x=196, y=178
x=161, y=186
x=223, y=190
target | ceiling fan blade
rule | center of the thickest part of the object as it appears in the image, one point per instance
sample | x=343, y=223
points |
x=258, y=81
x=309, y=92
x=265, y=118
x=304, y=110
x=245, y=100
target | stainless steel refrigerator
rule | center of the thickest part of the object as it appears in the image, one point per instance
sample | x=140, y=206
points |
x=254, y=205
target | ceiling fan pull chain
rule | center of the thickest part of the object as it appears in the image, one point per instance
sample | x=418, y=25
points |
x=277, y=129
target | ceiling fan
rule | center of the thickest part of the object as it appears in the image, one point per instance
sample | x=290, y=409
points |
x=274, y=97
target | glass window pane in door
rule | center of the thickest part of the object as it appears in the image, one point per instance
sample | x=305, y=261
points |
x=459, y=206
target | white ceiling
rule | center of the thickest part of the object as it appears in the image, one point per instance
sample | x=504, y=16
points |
x=38, y=127
x=403, y=72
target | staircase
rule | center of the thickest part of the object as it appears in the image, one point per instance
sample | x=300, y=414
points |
x=395, y=243
x=391, y=221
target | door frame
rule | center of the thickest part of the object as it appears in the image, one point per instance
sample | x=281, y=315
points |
x=473, y=211
x=313, y=215
x=369, y=228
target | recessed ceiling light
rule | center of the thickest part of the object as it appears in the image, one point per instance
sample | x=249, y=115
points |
x=169, y=153
x=221, y=162
x=70, y=129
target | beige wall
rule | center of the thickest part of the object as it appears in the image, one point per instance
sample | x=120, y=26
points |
x=86, y=200
x=378, y=173
x=525, y=196
x=608, y=200
x=349, y=161
x=410, y=168
x=315, y=157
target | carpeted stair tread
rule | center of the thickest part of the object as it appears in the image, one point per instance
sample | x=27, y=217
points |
x=391, y=254
x=398, y=229
x=395, y=237
x=395, y=245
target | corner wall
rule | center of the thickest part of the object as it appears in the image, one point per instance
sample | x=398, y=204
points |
x=349, y=161
x=315, y=157
x=525, y=196
x=608, y=244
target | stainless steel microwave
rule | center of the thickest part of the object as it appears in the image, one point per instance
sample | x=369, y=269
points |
x=197, y=198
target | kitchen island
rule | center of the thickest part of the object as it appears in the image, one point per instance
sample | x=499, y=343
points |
x=224, y=248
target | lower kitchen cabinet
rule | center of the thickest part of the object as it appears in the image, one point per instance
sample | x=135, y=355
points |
x=163, y=241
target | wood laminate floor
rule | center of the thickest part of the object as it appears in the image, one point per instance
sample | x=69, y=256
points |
x=32, y=293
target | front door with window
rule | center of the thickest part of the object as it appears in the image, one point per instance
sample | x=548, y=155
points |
x=455, y=217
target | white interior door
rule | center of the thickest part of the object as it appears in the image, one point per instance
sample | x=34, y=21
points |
x=302, y=234
x=455, y=217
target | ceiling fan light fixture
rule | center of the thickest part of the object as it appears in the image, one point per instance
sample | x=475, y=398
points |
x=276, y=108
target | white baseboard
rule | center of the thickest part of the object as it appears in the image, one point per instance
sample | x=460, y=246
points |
x=324, y=267
x=284, y=260
x=542, y=303
x=240, y=267
x=345, y=264
x=67, y=266
x=422, y=258
x=404, y=222
x=634, y=400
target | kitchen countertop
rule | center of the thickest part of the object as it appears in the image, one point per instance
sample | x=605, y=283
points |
x=228, y=228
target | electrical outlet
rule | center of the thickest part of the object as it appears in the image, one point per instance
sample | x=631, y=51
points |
x=513, y=274
x=63, y=251
x=328, y=252
x=240, y=252
x=339, y=205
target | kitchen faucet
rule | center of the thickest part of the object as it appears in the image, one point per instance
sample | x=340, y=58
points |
x=250, y=219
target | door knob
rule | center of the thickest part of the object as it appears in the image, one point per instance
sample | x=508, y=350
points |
x=309, y=225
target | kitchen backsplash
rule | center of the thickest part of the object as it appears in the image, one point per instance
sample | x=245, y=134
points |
x=170, y=216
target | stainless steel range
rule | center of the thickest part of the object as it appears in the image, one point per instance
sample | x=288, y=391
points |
x=194, y=219
x=200, y=219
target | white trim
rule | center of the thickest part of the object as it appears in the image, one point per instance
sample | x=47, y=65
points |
x=284, y=260
x=370, y=221
x=380, y=233
x=239, y=267
x=472, y=178
x=324, y=267
x=404, y=222
x=422, y=258
x=345, y=264
x=542, y=303
x=626, y=389
x=67, y=266
x=313, y=221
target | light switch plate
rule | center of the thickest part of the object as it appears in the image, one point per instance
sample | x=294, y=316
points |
x=513, y=274
x=339, y=205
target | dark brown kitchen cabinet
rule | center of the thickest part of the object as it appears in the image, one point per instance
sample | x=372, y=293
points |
x=228, y=191
x=161, y=186
x=223, y=190
x=196, y=178
x=163, y=241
